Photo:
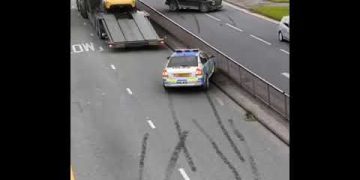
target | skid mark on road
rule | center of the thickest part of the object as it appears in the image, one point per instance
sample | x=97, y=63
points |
x=79, y=106
x=217, y=150
x=231, y=20
x=197, y=23
x=225, y=132
x=178, y=129
x=142, y=156
x=175, y=155
x=240, y=136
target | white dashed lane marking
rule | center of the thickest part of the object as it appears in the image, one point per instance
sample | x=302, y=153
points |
x=113, y=67
x=213, y=17
x=260, y=39
x=151, y=124
x=231, y=26
x=284, y=51
x=286, y=74
x=219, y=101
x=183, y=173
x=129, y=91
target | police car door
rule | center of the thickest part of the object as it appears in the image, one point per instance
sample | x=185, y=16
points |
x=204, y=62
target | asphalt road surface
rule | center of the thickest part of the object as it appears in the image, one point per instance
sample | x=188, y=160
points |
x=249, y=40
x=125, y=126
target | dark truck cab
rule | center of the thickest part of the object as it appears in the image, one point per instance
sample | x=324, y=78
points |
x=202, y=5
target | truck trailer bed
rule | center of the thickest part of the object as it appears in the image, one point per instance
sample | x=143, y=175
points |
x=129, y=29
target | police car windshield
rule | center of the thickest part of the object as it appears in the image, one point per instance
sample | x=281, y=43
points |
x=179, y=61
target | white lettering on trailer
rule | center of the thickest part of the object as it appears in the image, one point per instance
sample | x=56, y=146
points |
x=88, y=46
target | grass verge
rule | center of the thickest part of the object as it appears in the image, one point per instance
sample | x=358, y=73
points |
x=273, y=12
x=279, y=1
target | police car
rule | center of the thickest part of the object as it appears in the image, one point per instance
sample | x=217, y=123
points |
x=188, y=67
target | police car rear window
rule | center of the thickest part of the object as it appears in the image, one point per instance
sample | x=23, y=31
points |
x=179, y=61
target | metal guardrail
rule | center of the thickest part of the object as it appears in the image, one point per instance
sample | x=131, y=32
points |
x=272, y=96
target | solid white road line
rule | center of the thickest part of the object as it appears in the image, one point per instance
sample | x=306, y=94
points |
x=250, y=13
x=213, y=17
x=286, y=74
x=129, y=91
x=151, y=124
x=284, y=51
x=113, y=67
x=234, y=27
x=260, y=39
x=183, y=173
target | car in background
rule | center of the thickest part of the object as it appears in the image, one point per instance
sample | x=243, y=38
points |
x=188, y=67
x=284, y=29
x=202, y=5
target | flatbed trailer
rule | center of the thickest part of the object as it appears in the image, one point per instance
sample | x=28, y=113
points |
x=123, y=29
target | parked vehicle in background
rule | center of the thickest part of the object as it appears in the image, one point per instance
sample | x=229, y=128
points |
x=284, y=29
x=202, y=5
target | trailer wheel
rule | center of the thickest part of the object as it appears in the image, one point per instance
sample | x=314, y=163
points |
x=82, y=9
x=99, y=33
x=173, y=6
x=77, y=5
x=84, y=15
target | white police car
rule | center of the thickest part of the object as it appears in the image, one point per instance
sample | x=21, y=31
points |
x=188, y=67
